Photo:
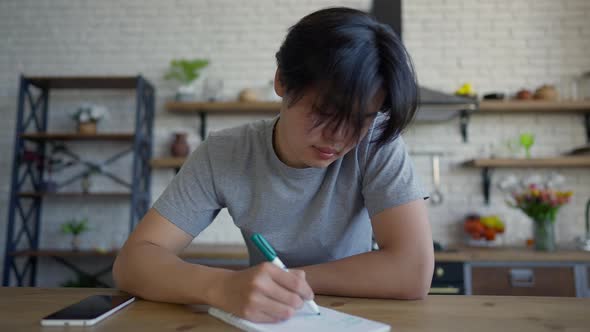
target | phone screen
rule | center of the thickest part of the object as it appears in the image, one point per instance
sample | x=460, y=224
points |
x=89, y=308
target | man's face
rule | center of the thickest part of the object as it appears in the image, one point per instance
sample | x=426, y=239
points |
x=300, y=142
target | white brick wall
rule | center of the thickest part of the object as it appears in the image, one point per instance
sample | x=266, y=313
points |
x=497, y=45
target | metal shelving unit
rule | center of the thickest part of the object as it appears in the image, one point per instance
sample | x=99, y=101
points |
x=31, y=138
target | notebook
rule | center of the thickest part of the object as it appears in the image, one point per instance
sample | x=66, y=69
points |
x=329, y=320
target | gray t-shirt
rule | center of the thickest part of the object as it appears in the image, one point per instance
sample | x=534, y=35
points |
x=309, y=215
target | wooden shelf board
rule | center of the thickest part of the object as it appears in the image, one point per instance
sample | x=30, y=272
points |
x=63, y=253
x=510, y=254
x=484, y=107
x=74, y=194
x=79, y=137
x=223, y=107
x=169, y=162
x=240, y=252
x=487, y=106
x=215, y=251
x=194, y=251
x=84, y=82
x=583, y=161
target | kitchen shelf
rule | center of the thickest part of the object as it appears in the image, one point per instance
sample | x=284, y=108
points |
x=194, y=251
x=570, y=161
x=269, y=107
x=484, y=107
x=539, y=107
x=31, y=194
x=534, y=106
x=488, y=164
x=78, y=137
x=85, y=82
x=232, y=107
x=63, y=253
x=171, y=162
x=224, y=107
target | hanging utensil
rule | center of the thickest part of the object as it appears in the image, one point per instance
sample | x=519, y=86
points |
x=436, y=197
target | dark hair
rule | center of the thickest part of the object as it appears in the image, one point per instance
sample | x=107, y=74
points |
x=348, y=57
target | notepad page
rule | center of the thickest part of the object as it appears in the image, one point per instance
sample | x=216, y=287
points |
x=329, y=320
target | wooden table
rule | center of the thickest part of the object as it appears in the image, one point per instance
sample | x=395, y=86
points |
x=22, y=308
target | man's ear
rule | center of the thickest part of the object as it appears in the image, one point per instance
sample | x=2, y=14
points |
x=279, y=88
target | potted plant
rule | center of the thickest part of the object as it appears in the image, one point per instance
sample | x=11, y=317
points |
x=541, y=204
x=87, y=116
x=185, y=71
x=75, y=228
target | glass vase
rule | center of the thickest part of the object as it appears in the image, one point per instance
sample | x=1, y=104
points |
x=544, y=231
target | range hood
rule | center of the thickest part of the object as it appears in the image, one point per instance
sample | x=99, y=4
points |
x=433, y=105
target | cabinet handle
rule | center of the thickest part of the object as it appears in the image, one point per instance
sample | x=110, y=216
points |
x=522, y=278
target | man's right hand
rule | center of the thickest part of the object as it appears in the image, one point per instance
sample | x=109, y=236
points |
x=263, y=293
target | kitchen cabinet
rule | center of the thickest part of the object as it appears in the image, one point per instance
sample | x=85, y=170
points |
x=447, y=279
x=521, y=271
x=524, y=280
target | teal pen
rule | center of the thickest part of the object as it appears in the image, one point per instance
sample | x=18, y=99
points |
x=272, y=257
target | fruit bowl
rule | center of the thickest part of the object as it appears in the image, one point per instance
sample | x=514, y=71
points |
x=483, y=243
x=483, y=231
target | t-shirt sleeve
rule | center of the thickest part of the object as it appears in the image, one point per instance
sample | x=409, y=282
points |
x=190, y=201
x=389, y=177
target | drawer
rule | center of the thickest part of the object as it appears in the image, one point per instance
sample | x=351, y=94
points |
x=523, y=281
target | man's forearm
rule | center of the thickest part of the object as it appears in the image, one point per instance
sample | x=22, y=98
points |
x=377, y=274
x=150, y=272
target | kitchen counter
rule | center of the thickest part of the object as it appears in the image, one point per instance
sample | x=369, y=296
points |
x=463, y=254
x=22, y=308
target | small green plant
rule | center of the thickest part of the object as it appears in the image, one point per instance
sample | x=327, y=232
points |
x=75, y=227
x=185, y=70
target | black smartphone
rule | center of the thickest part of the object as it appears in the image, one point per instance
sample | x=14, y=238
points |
x=89, y=311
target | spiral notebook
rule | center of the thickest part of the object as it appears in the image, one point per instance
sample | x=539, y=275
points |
x=329, y=320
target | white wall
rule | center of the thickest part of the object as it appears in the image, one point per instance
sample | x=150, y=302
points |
x=497, y=45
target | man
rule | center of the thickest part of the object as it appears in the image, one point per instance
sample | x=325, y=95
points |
x=318, y=182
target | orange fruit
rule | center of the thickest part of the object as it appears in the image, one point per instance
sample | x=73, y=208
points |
x=490, y=234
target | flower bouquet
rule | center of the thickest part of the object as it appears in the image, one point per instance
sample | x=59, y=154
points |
x=541, y=204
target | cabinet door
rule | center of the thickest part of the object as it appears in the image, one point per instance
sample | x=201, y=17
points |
x=523, y=281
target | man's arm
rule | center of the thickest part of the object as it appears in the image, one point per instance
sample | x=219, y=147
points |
x=148, y=266
x=401, y=268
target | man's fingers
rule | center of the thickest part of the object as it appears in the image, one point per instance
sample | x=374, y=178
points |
x=280, y=294
x=277, y=310
x=293, y=281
